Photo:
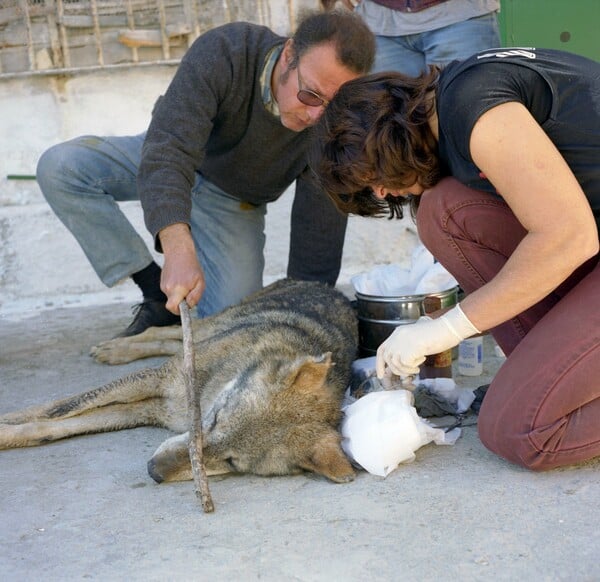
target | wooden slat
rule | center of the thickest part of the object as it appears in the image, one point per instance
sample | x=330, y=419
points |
x=97, y=33
x=64, y=40
x=116, y=29
x=27, y=22
x=154, y=37
x=57, y=59
x=87, y=20
x=164, y=39
x=191, y=15
x=131, y=26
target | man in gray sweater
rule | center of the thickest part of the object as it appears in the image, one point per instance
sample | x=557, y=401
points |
x=231, y=133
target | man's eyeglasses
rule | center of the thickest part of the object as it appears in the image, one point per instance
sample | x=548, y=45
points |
x=308, y=97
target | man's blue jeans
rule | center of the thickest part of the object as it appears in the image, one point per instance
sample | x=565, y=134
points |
x=83, y=179
x=411, y=54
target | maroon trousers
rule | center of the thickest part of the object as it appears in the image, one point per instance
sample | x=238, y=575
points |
x=542, y=409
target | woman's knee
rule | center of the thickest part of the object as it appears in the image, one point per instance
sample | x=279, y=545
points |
x=507, y=435
x=499, y=438
x=492, y=431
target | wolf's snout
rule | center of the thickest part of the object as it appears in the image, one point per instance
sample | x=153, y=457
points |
x=153, y=471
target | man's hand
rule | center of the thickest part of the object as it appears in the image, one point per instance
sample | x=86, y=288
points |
x=405, y=350
x=182, y=276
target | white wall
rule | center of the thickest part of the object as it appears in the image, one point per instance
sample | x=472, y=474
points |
x=41, y=266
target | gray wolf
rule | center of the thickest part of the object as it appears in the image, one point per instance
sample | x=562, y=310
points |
x=271, y=373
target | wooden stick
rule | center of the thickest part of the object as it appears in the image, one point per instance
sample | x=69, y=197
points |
x=194, y=412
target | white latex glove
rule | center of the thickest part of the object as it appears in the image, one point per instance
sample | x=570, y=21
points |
x=405, y=350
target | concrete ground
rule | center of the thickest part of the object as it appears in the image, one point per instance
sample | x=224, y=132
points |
x=85, y=508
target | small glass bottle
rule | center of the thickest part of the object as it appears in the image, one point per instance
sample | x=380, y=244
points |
x=435, y=365
x=470, y=356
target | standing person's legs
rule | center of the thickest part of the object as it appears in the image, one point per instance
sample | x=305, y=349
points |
x=412, y=53
x=82, y=180
x=541, y=410
x=460, y=40
x=398, y=53
x=230, y=237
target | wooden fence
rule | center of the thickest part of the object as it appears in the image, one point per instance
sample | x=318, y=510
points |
x=40, y=37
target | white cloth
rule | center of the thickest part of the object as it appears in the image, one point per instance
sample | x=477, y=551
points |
x=423, y=277
x=382, y=430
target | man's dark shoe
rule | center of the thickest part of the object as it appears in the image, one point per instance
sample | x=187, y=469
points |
x=149, y=313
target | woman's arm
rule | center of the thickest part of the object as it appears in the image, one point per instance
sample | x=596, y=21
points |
x=519, y=159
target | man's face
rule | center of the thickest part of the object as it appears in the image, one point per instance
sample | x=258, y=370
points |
x=318, y=73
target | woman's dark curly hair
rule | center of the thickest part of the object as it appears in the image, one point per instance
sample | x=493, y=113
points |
x=375, y=131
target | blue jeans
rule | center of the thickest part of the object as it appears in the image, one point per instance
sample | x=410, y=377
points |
x=411, y=54
x=84, y=179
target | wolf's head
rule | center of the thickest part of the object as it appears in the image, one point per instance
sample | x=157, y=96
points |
x=276, y=419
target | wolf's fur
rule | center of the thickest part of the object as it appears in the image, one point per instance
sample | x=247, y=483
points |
x=271, y=373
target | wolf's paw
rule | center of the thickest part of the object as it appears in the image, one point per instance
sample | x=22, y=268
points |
x=113, y=351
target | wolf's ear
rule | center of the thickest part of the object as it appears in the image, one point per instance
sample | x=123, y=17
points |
x=311, y=373
x=327, y=458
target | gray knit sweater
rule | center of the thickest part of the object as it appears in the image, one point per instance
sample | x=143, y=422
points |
x=212, y=120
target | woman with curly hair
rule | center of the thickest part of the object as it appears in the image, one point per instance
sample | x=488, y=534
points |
x=498, y=157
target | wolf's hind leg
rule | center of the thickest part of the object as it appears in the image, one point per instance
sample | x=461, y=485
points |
x=108, y=418
x=131, y=388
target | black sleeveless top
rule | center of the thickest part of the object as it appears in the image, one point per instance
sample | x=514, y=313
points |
x=561, y=91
